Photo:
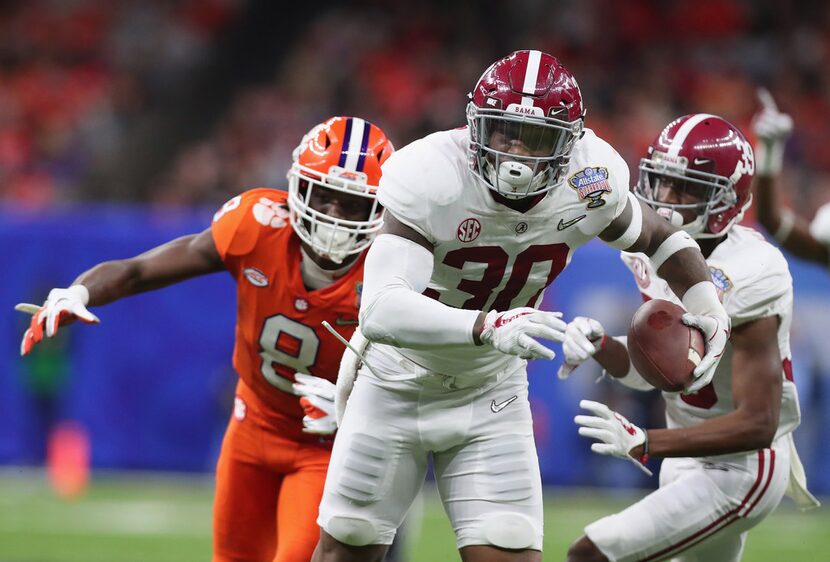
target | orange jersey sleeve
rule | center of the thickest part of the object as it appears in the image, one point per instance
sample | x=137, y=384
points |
x=279, y=330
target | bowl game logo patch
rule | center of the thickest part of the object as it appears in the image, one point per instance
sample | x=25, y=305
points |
x=721, y=281
x=591, y=184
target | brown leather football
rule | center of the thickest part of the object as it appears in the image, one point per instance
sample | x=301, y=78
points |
x=663, y=349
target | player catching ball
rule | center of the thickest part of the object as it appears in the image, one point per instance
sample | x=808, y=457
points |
x=728, y=446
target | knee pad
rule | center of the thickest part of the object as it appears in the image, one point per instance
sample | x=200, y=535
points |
x=352, y=531
x=511, y=530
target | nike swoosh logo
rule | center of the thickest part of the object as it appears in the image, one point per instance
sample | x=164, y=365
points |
x=496, y=408
x=340, y=321
x=699, y=161
x=563, y=224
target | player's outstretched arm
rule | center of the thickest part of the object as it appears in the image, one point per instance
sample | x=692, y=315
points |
x=394, y=310
x=773, y=128
x=677, y=259
x=164, y=265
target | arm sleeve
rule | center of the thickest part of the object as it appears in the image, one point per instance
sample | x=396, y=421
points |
x=393, y=310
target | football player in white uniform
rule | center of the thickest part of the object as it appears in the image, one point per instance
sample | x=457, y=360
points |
x=728, y=446
x=809, y=241
x=479, y=221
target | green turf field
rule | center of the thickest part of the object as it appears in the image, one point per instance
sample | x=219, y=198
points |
x=159, y=519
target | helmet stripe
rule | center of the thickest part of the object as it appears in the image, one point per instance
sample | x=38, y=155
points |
x=534, y=58
x=344, y=152
x=364, y=144
x=683, y=132
x=354, y=138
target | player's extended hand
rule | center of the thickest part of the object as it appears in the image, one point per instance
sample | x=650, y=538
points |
x=583, y=338
x=317, y=399
x=715, y=335
x=513, y=331
x=61, y=307
x=773, y=128
x=616, y=435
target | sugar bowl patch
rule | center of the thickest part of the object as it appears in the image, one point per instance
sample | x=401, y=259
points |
x=591, y=184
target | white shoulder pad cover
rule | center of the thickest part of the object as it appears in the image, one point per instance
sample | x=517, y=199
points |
x=754, y=280
x=419, y=179
x=591, y=152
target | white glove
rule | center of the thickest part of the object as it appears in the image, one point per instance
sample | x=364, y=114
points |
x=616, y=435
x=820, y=227
x=773, y=128
x=715, y=335
x=512, y=332
x=583, y=338
x=317, y=400
x=347, y=373
x=61, y=306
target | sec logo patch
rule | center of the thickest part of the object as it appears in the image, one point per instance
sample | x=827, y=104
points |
x=468, y=230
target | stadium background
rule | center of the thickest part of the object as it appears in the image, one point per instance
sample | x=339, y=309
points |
x=126, y=123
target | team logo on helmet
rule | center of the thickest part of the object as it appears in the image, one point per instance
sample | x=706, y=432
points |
x=591, y=184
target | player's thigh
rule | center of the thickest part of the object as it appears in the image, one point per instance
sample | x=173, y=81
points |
x=490, y=485
x=298, y=504
x=244, y=511
x=377, y=466
x=698, y=506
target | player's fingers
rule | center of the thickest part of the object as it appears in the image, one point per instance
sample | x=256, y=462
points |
x=84, y=314
x=589, y=421
x=36, y=325
x=594, y=433
x=552, y=320
x=565, y=370
x=597, y=408
x=27, y=308
x=546, y=332
x=52, y=318
x=27, y=343
x=766, y=99
x=603, y=448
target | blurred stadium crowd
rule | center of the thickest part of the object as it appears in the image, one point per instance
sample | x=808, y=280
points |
x=87, y=87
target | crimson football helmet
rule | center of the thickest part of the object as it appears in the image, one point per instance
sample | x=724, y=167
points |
x=709, y=164
x=524, y=116
x=342, y=154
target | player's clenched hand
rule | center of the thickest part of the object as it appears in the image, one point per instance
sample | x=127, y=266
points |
x=616, y=435
x=513, y=331
x=61, y=307
x=317, y=400
x=583, y=338
x=715, y=334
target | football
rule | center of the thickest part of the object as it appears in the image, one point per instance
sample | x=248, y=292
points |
x=663, y=349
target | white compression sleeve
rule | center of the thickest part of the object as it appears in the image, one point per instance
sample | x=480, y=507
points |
x=393, y=310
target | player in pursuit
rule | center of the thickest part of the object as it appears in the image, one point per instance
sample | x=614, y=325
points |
x=479, y=221
x=728, y=447
x=298, y=259
x=809, y=241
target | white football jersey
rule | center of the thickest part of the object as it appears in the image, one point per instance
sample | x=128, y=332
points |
x=486, y=255
x=753, y=281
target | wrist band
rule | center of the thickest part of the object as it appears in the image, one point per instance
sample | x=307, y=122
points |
x=785, y=226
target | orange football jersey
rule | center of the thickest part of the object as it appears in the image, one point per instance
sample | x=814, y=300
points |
x=278, y=325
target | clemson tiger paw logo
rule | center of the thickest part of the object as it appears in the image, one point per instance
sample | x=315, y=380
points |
x=270, y=213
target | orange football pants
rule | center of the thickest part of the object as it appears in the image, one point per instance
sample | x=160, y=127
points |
x=268, y=489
